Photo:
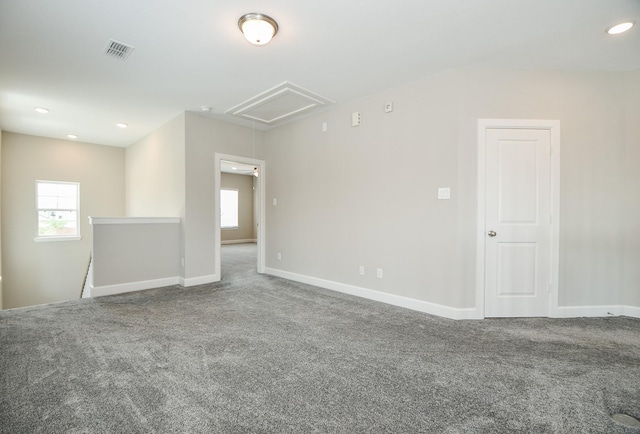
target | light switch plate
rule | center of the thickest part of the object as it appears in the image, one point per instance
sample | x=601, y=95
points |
x=444, y=193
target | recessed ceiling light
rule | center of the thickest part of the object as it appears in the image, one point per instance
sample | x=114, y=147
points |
x=205, y=108
x=234, y=168
x=620, y=28
x=41, y=110
x=121, y=125
x=72, y=136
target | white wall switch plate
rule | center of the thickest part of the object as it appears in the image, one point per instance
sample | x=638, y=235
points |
x=324, y=127
x=275, y=201
x=279, y=256
x=444, y=193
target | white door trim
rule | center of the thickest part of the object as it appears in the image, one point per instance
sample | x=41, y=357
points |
x=261, y=204
x=554, y=130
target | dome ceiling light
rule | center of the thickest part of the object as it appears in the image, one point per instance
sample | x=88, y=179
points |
x=258, y=28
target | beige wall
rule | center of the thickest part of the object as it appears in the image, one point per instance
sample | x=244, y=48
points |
x=126, y=253
x=170, y=173
x=155, y=172
x=358, y=196
x=204, y=138
x=590, y=107
x=631, y=191
x=1, y=292
x=246, y=225
x=367, y=195
x=46, y=272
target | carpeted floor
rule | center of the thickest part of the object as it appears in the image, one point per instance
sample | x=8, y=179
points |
x=261, y=354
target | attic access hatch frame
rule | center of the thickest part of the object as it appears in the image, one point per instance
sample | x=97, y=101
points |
x=278, y=103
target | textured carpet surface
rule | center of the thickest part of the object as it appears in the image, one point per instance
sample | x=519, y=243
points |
x=261, y=354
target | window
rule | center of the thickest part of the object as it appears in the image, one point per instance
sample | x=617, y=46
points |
x=58, y=208
x=228, y=209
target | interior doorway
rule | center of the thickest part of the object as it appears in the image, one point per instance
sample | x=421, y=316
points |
x=518, y=197
x=252, y=168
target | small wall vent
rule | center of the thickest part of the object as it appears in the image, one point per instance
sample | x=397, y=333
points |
x=119, y=50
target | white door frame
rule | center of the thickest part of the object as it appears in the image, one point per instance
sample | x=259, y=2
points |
x=260, y=164
x=554, y=131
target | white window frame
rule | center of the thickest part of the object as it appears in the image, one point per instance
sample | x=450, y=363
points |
x=45, y=238
x=237, y=226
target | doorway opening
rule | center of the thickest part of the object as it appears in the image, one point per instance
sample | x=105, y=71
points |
x=239, y=206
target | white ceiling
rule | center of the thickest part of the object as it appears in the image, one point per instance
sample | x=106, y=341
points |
x=190, y=53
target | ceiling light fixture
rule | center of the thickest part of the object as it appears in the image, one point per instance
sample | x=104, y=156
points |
x=41, y=110
x=72, y=136
x=121, y=125
x=258, y=28
x=620, y=28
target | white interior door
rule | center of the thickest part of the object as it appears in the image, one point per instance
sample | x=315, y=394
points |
x=518, y=227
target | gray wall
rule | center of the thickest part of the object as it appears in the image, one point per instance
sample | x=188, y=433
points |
x=35, y=273
x=367, y=195
x=246, y=225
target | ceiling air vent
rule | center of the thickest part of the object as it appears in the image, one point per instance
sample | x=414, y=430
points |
x=279, y=103
x=119, y=50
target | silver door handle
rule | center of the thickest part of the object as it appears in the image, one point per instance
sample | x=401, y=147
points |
x=492, y=233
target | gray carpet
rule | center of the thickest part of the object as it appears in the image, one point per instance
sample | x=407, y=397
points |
x=265, y=355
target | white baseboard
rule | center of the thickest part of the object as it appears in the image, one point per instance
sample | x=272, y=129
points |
x=99, y=291
x=238, y=241
x=200, y=280
x=632, y=311
x=595, y=311
x=384, y=297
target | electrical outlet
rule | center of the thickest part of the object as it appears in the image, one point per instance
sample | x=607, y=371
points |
x=379, y=273
x=355, y=119
x=279, y=256
x=361, y=270
x=388, y=107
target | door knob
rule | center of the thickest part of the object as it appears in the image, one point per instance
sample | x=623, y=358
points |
x=492, y=233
